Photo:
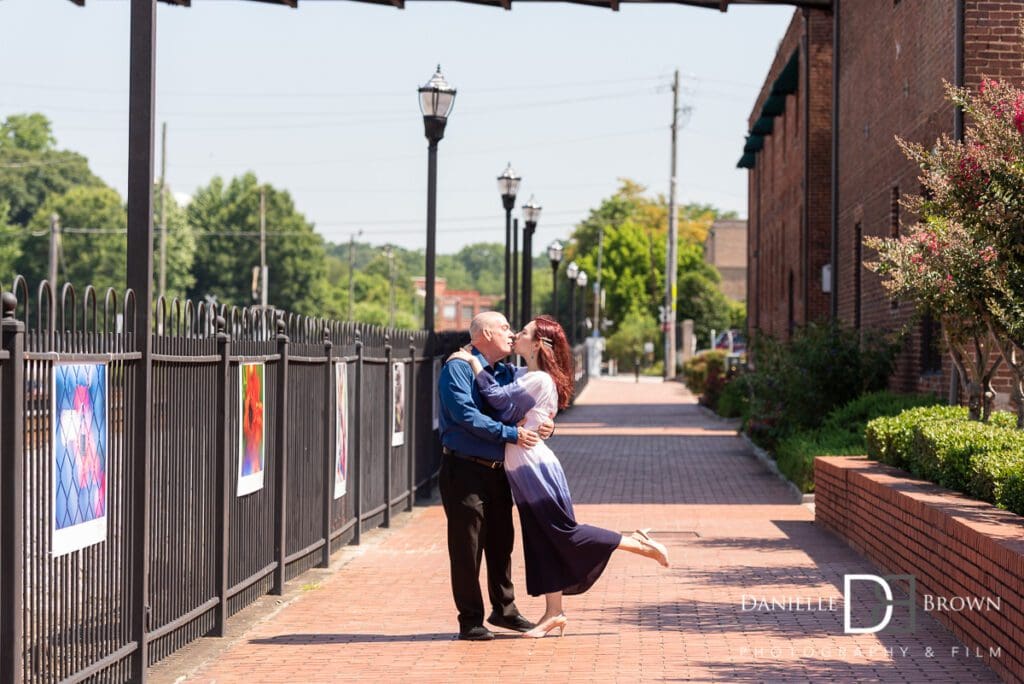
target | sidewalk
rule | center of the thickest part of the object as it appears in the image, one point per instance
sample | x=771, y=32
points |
x=636, y=455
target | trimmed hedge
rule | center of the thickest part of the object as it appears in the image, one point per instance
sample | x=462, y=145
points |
x=939, y=444
x=699, y=368
x=841, y=434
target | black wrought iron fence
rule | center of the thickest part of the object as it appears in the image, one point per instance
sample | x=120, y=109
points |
x=275, y=439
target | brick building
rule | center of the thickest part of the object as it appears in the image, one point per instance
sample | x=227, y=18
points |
x=726, y=249
x=455, y=308
x=892, y=58
x=789, y=149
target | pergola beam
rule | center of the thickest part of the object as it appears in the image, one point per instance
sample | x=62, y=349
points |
x=614, y=5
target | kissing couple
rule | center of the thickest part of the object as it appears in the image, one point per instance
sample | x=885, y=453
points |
x=493, y=420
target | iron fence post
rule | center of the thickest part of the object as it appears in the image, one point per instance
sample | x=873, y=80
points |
x=12, y=466
x=223, y=505
x=281, y=471
x=410, y=423
x=357, y=450
x=389, y=401
x=330, y=448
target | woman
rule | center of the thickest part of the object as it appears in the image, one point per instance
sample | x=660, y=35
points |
x=562, y=556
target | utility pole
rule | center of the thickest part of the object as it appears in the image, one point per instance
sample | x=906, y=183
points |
x=263, y=247
x=54, y=250
x=351, y=271
x=597, y=285
x=673, y=239
x=391, y=286
x=163, y=210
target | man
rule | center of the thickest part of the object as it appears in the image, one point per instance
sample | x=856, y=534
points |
x=474, y=489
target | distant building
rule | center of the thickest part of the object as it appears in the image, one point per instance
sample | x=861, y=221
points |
x=455, y=308
x=726, y=249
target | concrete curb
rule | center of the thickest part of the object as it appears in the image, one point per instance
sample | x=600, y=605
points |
x=765, y=458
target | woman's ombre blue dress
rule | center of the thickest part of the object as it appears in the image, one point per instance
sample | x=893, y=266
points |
x=561, y=554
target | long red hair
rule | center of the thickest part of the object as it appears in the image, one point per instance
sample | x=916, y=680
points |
x=556, y=359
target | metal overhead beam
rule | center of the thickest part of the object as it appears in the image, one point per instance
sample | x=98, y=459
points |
x=614, y=5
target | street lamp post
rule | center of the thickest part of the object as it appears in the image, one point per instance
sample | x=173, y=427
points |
x=571, y=271
x=581, y=283
x=531, y=214
x=508, y=186
x=436, y=100
x=555, y=257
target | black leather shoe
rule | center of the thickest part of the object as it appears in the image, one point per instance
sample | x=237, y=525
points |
x=517, y=623
x=477, y=633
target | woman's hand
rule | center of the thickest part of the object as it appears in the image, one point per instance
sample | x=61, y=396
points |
x=461, y=355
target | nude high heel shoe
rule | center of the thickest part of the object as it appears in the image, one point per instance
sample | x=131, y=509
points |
x=659, y=552
x=542, y=629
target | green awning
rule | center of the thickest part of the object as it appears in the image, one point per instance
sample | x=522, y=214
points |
x=774, y=105
x=786, y=83
x=763, y=126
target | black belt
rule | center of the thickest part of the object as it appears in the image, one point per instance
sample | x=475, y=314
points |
x=485, y=462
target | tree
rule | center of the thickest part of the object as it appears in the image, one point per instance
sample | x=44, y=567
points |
x=226, y=219
x=93, y=239
x=626, y=345
x=181, y=248
x=10, y=246
x=31, y=169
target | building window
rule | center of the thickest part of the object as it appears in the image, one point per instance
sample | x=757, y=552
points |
x=449, y=312
x=858, y=266
x=467, y=312
x=931, y=356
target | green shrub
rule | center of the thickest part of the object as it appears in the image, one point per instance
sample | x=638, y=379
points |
x=938, y=443
x=797, y=383
x=1011, y=494
x=697, y=369
x=795, y=454
x=734, y=401
x=991, y=471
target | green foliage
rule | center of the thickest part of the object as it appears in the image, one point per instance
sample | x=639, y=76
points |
x=938, y=443
x=29, y=132
x=701, y=300
x=226, y=218
x=628, y=342
x=840, y=434
x=10, y=245
x=734, y=401
x=635, y=229
x=86, y=258
x=797, y=383
x=702, y=367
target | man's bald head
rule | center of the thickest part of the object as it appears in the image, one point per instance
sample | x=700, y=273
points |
x=491, y=335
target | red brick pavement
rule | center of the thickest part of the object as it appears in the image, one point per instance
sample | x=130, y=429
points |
x=636, y=455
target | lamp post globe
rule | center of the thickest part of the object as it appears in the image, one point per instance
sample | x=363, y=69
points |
x=508, y=186
x=531, y=215
x=436, y=100
x=555, y=250
x=581, y=284
x=571, y=271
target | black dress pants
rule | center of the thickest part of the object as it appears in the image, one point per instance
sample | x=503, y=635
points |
x=478, y=504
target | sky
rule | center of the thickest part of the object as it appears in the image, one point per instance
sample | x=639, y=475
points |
x=321, y=101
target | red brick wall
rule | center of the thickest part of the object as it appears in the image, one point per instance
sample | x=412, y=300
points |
x=893, y=59
x=777, y=201
x=952, y=545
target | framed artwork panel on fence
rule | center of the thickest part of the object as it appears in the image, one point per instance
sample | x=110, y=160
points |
x=340, y=429
x=252, y=452
x=79, y=394
x=398, y=411
x=435, y=396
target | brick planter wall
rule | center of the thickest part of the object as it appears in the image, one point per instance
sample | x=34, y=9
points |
x=953, y=545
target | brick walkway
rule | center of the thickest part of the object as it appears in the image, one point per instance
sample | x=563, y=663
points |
x=636, y=455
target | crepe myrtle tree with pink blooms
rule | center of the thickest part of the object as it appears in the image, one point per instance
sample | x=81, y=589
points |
x=965, y=259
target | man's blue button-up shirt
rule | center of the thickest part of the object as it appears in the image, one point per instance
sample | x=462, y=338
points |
x=464, y=427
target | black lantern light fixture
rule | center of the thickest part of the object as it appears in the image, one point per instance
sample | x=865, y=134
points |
x=555, y=250
x=531, y=214
x=508, y=186
x=436, y=100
